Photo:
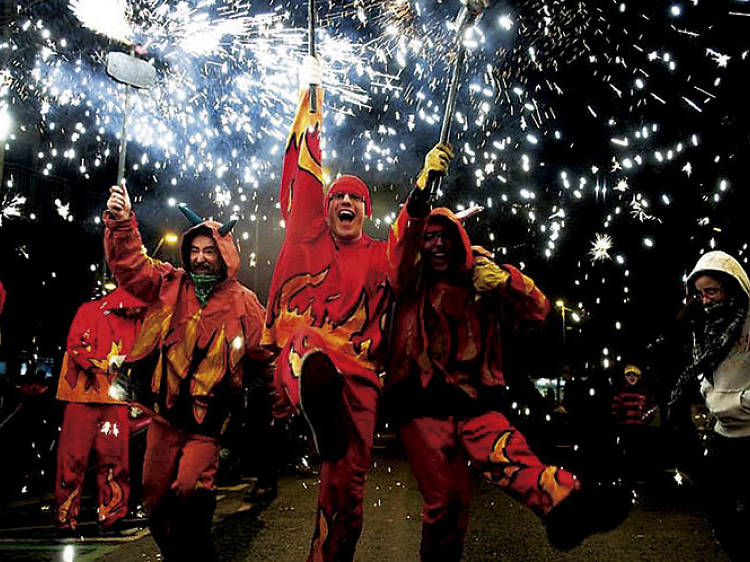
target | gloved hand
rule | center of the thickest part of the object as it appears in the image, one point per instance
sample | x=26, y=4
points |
x=311, y=72
x=487, y=275
x=436, y=162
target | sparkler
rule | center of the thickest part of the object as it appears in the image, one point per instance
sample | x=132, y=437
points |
x=600, y=248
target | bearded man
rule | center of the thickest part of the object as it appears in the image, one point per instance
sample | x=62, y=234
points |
x=200, y=338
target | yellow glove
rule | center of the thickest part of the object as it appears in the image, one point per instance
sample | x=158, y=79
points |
x=436, y=161
x=488, y=275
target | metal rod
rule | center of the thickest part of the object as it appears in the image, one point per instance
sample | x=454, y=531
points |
x=463, y=21
x=123, y=139
x=311, y=50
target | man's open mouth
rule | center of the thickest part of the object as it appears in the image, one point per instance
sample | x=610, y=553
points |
x=345, y=215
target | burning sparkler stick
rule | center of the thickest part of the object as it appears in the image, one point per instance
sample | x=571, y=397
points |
x=311, y=49
x=470, y=13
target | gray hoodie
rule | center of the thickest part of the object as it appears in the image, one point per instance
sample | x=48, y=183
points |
x=724, y=398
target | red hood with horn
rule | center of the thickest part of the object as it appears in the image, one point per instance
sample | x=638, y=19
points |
x=191, y=357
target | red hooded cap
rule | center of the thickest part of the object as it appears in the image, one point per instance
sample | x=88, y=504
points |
x=350, y=184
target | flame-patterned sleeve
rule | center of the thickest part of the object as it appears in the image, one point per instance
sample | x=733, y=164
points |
x=135, y=271
x=301, y=190
x=82, y=337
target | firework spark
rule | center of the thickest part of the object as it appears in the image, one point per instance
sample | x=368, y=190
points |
x=600, y=248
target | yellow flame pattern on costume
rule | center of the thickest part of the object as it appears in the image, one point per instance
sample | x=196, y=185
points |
x=337, y=335
x=549, y=484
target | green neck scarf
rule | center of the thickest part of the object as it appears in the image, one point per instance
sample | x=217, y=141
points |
x=204, y=286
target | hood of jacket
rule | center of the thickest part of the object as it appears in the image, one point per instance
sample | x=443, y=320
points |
x=723, y=262
x=225, y=244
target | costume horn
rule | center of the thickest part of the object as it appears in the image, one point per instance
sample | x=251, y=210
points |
x=227, y=226
x=191, y=215
x=468, y=213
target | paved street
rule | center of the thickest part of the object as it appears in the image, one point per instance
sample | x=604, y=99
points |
x=666, y=525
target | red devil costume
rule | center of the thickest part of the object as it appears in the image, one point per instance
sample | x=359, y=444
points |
x=445, y=360
x=102, y=333
x=326, y=311
x=188, y=365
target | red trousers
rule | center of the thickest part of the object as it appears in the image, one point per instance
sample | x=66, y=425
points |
x=103, y=427
x=342, y=483
x=439, y=451
x=179, y=469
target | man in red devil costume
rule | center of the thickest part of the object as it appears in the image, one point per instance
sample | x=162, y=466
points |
x=326, y=316
x=102, y=333
x=445, y=361
x=200, y=337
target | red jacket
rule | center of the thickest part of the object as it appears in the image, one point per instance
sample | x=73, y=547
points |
x=340, y=289
x=99, y=332
x=194, y=357
x=454, y=329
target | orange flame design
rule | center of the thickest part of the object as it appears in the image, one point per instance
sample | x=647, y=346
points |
x=344, y=336
x=551, y=486
x=116, y=495
x=64, y=514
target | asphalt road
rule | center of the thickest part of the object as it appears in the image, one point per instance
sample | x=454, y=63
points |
x=666, y=524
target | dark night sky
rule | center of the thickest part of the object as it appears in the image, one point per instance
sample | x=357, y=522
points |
x=40, y=306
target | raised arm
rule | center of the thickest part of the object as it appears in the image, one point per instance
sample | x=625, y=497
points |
x=404, y=236
x=136, y=272
x=301, y=190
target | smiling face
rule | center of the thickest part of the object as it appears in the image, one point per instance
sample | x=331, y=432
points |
x=441, y=248
x=346, y=215
x=204, y=256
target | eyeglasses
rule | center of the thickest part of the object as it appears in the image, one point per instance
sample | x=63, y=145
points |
x=435, y=235
x=708, y=292
x=340, y=196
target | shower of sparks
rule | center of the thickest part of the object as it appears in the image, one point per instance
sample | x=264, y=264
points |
x=569, y=111
x=600, y=248
x=63, y=210
x=108, y=17
x=11, y=206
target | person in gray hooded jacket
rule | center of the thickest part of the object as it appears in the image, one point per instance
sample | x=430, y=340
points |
x=721, y=364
